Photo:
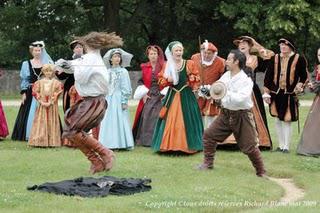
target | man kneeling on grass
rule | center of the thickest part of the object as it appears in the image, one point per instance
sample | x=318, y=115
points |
x=236, y=116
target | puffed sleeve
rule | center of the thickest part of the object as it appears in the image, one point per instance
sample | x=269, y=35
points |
x=268, y=77
x=193, y=75
x=125, y=86
x=36, y=91
x=82, y=73
x=58, y=89
x=241, y=95
x=302, y=69
x=162, y=81
x=24, y=76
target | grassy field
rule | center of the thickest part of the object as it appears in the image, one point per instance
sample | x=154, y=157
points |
x=176, y=186
x=14, y=96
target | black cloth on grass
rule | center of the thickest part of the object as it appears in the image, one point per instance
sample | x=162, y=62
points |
x=95, y=187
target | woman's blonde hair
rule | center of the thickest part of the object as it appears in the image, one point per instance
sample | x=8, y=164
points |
x=100, y=40
x=48, y=67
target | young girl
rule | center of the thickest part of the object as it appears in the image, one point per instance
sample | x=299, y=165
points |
x=46, y=128
x=115, y=128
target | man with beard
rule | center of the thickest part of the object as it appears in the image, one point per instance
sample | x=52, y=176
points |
x=211, y=68
x=236, y=116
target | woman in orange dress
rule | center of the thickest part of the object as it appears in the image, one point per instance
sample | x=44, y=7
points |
x=180, y=127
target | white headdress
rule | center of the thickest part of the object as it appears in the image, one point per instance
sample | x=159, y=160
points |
x=170, y=69
x=44, y=57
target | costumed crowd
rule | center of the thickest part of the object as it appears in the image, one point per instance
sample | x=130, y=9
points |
x=185, y=105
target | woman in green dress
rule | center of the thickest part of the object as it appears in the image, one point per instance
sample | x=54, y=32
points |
x=179, y=127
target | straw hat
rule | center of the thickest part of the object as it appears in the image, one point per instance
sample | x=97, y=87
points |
x=240, y=39
x=125, y=57
x=74, y=43
x=218, y=90
x=288, y=42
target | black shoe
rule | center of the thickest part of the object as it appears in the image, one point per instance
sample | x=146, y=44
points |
x=278, y=149
x=285, y=151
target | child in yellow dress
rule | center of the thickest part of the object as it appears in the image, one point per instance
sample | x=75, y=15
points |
x=46, y=128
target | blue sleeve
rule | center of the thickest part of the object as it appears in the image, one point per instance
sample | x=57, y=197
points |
x=24, y=76
x=126, y=89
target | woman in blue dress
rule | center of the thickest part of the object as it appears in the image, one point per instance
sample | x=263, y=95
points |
x=115, y=128
x=30, y=73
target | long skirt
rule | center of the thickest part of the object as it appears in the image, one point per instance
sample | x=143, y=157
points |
x=115, y=129
x=309, y=142
x=147, y=121
x=4, y=132
x=46, y=128
x=182, y=128
x=24, y=120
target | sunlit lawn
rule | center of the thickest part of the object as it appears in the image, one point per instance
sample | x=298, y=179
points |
x=176, y=186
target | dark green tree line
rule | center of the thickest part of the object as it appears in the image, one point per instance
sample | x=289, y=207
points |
x=143, y=22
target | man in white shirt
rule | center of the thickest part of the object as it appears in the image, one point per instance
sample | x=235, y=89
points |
x=236, y=116
x=91, y=82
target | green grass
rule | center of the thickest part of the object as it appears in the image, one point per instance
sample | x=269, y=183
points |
x=176, y=186
x=10, y=96
x=307, y=96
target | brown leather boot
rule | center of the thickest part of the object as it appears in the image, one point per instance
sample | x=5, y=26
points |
x=97, y=164
x=209, y=150
x=67, y=143
x=95, y=132
x=256, y=160
x=105, y=154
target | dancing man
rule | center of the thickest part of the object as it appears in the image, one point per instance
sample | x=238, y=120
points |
x=236, y=116
x=91, y=82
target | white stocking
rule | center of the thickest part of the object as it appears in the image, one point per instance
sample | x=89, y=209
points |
x=287, y=134
x=280, y=133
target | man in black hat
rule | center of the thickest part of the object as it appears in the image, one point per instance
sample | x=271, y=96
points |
x=78, y=51
x=77, y=48
x=285, y=77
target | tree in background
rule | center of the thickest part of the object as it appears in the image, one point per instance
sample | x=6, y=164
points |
x=22, y=22
x=269, y=20
x=143, y=22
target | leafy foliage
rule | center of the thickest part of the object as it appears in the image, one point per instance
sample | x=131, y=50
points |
x=269, y=20
x=143, y=22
